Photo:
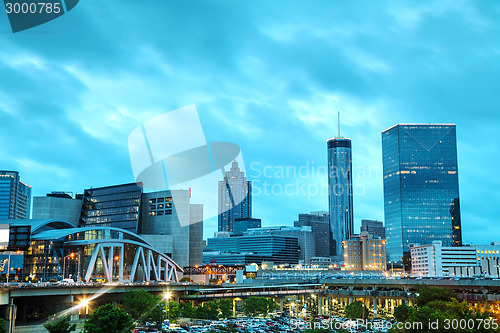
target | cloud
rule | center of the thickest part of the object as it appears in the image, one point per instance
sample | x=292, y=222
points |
x=268, y=76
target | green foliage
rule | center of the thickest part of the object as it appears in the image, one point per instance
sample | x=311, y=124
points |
x=186, y=279
x=429, y=294
x=187, y=310
x=139, y=303
x=255, y=306
x=173, y=310
x=209, y=310
x=436, y=309
x=225, y=308
x=61, y=325
x=108, y=319
x=356, y=310
x=3, y=328
x=402, y=312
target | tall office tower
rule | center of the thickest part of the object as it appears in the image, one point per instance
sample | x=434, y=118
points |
x=112, y=206
x=235, y=198
x=320, y=226
x=340, y=192
x=421, y=198
x=374, y=227
x=15, y=196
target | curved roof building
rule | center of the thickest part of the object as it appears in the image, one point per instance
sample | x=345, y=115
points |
x=58, y=249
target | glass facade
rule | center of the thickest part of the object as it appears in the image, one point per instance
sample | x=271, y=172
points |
x=71, y=255
x=15, y=196
x=279, y=249
x=113, y=206
x=235, y=198
x=421, y=196
x=340, y=192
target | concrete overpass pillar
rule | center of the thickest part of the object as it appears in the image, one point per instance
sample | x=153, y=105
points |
x=281, y=304
x=375, y=300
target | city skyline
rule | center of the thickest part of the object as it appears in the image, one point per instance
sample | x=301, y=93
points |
x=264, y=77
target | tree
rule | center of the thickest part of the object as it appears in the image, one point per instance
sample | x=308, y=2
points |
x=402, y=312
x=258, y=306
x=186, y=279
x=428, y=294
x=436, y=305
x=173, y=310
x=356, y=310
x=108, y=319
x=3, y=329
x=225, y=308
x=61, y=325
x=187, y=310
x=209, y=310
x=139, y=303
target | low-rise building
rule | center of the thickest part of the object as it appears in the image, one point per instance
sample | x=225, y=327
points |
x=364, y=252
x=436, y=260
x=229, y=249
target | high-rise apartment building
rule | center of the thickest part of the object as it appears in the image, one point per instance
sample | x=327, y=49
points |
x=320, y=226
x=421, y=197
x=340, y=192
x=235, y=198
x=373, y=227
x=15, y=196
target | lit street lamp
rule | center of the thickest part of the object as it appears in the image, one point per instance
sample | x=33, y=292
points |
x=72, y=256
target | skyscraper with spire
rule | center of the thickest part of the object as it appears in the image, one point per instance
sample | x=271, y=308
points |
x=235, y=198
x=340, y=191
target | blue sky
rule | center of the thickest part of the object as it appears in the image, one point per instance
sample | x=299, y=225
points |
x=269, y=76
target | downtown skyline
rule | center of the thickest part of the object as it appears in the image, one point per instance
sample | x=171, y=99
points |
x=275, y=92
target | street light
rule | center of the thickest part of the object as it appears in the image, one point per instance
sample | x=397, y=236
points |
x=8, y=266
x=84, y=303
x=72, y=256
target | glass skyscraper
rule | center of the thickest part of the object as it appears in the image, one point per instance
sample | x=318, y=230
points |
x=340, y=192
x=421, y=197
x=235, y=198
x=15, y=196
x=112, y=206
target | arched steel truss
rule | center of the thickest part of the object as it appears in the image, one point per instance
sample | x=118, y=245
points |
x=153, y=265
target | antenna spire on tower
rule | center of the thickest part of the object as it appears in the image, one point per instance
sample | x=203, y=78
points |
x=338, y=122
